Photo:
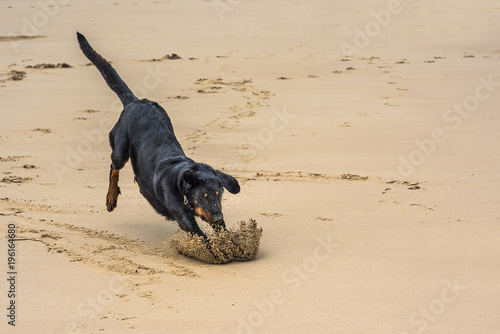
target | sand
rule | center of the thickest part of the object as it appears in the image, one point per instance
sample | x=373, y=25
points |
x=222, y=246
x=364, y=135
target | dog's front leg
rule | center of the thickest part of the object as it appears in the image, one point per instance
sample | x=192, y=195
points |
x=186, y=222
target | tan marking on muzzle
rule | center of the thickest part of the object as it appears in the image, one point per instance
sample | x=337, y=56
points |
x=203, y=214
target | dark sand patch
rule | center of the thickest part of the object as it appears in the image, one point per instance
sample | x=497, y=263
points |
x=15, y=179
x=323, y=219
x=18, y=38
x=42, y=130
x=173, y=56
x=89, y=111
x=17, y=75
x=178, y=97
x=49, y=65
x=224, y=246
x=354, y=177
x=12, y=75
x=13, y=158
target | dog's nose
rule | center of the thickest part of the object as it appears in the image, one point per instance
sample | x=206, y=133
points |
x=218, y=218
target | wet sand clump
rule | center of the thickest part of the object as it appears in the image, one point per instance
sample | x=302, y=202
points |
x=224, y=246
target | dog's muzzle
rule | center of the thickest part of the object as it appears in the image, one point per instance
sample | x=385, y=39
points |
x=218, y=219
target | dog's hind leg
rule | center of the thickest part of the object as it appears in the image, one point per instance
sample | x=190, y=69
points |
x=119, y=157
x=135, y=181
x=114, y=190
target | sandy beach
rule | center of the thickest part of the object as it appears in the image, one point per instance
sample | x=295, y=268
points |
x=364, y=135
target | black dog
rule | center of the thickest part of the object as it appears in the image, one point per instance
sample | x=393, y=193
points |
x=176, y=186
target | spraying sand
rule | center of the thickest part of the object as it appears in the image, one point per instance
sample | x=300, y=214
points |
x=222, y=246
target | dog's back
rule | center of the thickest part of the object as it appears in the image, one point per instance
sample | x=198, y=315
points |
x=151, y=138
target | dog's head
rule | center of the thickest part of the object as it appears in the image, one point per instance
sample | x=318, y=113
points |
x=203, y=187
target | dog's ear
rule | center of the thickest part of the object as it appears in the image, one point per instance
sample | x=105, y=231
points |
x=190, y=178
x=228, y=182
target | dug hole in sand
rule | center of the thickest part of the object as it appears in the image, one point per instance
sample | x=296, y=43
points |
x=223, y=246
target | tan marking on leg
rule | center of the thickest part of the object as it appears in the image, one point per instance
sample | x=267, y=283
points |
x=113, y=191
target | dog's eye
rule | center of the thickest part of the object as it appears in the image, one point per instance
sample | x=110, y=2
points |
x=205, y=195
x=217, y=193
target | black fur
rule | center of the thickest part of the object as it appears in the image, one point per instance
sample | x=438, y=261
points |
x=176, y=186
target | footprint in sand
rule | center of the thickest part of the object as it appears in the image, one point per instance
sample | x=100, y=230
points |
x=323, y=219
x=15, y=179
x=178, y=97
x=13, y=75
x=271, y=214
x=202, y=91
x=89, y=111
x=172, y=56
x=353, y=177
x=13, y=158
x=49, y=65
x=263, y=94
x=232, y=116
x=30, y=167
x=422, y=207
x=44, y=131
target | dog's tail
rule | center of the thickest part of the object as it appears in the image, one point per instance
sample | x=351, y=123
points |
x=107, y=71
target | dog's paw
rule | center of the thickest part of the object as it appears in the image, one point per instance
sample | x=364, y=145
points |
x=110, y=204
x=112, y=199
